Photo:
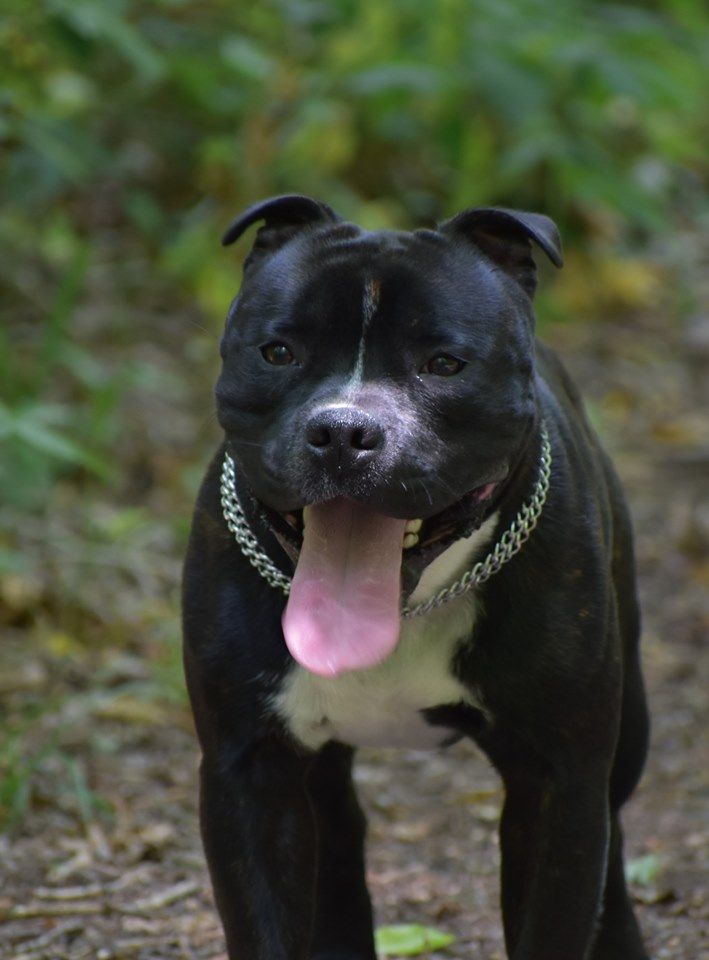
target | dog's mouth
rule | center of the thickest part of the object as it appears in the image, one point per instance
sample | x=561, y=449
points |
x=343, y=611
x=419, y=533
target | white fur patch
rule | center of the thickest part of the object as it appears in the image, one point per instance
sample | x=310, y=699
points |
x=381, y=706
x=370, y=302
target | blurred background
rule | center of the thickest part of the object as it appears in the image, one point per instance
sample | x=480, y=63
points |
x=131, y=134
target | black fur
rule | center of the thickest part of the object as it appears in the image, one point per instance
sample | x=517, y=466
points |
x=554, y=656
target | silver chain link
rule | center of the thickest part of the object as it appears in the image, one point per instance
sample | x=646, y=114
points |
x=510, y=543
x=244, y=535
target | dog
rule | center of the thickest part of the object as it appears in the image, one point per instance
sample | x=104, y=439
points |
x=409, y=535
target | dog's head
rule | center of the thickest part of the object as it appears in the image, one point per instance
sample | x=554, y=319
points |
x=381, y=374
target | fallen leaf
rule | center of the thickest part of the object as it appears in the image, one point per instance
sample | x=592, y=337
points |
x=410, y=940
x=129, y=709
x=643, y=870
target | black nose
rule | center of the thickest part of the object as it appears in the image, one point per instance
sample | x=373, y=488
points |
x=343, y=438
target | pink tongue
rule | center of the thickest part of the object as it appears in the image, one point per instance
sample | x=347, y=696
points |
x=343, y=608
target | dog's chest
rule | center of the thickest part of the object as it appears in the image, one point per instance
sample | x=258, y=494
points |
x=382, y=706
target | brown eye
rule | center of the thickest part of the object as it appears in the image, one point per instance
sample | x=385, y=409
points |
x=443, y=365
x=277, y=354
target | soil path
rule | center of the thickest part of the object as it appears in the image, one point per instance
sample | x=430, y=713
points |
x=133, y=884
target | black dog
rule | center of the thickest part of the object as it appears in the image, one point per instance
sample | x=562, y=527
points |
x=399, y=447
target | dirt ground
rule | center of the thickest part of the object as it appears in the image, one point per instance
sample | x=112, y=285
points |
x=129, y=881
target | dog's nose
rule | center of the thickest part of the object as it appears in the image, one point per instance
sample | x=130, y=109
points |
x=344, y=439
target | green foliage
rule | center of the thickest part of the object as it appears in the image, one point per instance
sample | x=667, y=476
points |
x=24, y=765
x=643, y=870
x=131, y=134
x=132, y=131
x=418, y=108
x=57, y=401
x=410, y=940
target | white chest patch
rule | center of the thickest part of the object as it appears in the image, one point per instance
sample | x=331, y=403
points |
x=381, y=706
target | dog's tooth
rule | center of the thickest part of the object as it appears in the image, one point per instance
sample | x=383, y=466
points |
x=413, y=526
x=306, y=511
x=410, y=540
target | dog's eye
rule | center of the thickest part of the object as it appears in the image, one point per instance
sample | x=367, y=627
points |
x=277, y=354
x=443, y=365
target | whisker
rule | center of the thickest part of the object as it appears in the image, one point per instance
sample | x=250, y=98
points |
x=425, y=490
x=250, y=443
x=206, y=419
x=447, y=487
x=200, y=326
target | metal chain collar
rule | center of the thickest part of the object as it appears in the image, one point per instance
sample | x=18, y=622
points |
x=510, y=543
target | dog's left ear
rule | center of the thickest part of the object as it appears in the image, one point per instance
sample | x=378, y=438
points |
x=504, y=236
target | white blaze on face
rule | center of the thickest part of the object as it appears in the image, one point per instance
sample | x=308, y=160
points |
x=370, y=301
x=378, y=394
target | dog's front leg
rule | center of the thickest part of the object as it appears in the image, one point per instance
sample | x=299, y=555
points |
x=259, y=837
x=554, y=838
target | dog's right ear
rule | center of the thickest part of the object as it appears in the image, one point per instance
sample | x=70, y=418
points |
x=283, y=217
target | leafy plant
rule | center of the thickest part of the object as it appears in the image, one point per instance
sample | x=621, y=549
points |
x=24, y=765
x=131, y=133
x=56, y=401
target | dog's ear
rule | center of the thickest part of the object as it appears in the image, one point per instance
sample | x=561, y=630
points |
x=504, y=236
x=283, y=217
